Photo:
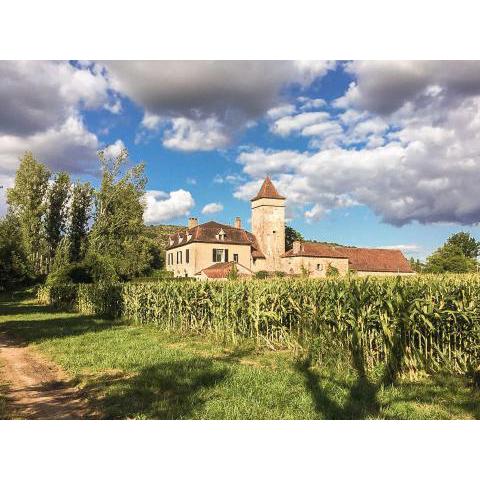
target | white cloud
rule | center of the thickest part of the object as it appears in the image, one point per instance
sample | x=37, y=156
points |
x=115, y=107
x=233, y=93
x=151, y=121
x=258, y=163
x=211, y=208
x=385, y=86
x=162, y=206
x=311, y=103
x=69, y=147
x=281, y=111
x=295, y=123
x=114, y=150
x=405, y=141
x=38, y=95
x=188, y=135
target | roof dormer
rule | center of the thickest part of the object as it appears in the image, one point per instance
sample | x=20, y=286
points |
x=221, y=235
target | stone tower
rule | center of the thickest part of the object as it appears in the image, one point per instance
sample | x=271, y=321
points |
x=268, y=224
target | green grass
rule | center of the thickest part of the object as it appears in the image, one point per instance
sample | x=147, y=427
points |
x=140, y=372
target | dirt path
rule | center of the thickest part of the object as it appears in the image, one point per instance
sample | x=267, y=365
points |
x=37, y=389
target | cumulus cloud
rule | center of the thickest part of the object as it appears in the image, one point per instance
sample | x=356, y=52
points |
x=231, y=93
x=114, y=150
x=281, y=111
x=67, y=147
x=403, y=140
x=163, y=206
x=211, y=208
x=189, y=135
x=297, y=123
x=385, y=86
x=37, y=95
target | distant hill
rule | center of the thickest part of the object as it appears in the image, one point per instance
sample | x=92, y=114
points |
x=331, y=244
x=161, y=232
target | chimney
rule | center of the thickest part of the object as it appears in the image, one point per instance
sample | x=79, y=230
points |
x=238, y=222
x=296, y=246
x=192, y=222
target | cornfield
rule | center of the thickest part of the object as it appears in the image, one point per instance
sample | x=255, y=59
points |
x=416, y=323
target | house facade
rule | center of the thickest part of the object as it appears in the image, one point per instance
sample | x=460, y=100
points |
x=211, y=250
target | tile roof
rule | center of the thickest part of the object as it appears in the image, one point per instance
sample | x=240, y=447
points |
x=208, y=232
x=359, y=259
x=268, y=190
x=222, y=270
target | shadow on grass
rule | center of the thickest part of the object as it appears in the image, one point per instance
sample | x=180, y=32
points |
x=166, y=391
x=363, y=402
x=35, y=329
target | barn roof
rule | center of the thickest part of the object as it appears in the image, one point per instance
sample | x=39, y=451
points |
x=359, y=259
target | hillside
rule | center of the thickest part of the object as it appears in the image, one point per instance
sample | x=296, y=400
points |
x=161, y=232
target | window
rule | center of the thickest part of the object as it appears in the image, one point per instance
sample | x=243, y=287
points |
x=235, y=257
x=319, y=267
x=220, y=255
x=187, y=255
x=179, y=257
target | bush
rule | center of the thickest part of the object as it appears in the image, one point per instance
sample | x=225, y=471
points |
x=262, y=274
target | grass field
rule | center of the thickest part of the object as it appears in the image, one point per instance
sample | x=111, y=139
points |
x=139, y=372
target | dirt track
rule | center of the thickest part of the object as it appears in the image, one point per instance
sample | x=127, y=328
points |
x=37, y=389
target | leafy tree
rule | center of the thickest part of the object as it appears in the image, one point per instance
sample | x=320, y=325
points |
x=466, y=243
x=80, y=212
x=449, y=258
x=56, y=211
x=118, y=236
x=13, y=262
x=26, y=200
x=291, y=235
x=416, y=264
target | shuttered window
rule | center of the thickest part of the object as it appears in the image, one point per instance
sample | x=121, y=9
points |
x=220, y=255
x=187, y=255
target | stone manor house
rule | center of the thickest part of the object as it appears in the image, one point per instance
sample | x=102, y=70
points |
x=209, y=250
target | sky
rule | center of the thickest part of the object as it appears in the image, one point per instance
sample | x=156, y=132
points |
x=368, y=153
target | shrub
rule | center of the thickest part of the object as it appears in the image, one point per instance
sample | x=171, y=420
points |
x=262, y=274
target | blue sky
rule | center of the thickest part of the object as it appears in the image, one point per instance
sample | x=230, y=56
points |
x=367, y=153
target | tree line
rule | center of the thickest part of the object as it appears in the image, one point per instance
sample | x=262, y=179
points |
x=458, y=255
x=65, y=231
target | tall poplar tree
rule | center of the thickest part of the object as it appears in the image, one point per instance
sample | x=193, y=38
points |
x=80, y=213
x=26, y=200
x=56, y=211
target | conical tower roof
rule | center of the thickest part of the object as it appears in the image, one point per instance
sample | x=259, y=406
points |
x=268, y=190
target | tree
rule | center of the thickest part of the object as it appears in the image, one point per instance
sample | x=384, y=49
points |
x=291, y=235
x=466, y=243
x=80, y=213
x=14, y=268
x=118, y=233
x=56, y=211
x=416, y=264
x=26, y=200
x=449, y=258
